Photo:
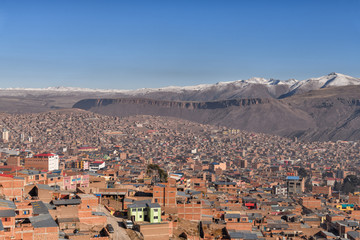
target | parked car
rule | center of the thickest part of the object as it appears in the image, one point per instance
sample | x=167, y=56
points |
x=129, y=224
x=110, y=228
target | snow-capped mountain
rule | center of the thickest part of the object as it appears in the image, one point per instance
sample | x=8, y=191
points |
x=250, y=88
x=242, y=83
x=330, y=80
x=253, y=87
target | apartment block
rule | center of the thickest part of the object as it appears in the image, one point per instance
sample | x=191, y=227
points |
x=44, y=161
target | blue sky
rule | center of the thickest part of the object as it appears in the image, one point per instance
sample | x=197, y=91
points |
x=134, y=44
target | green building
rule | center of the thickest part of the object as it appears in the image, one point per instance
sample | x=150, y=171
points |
x=141, y=211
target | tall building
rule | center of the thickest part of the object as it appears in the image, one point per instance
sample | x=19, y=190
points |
x=295, y=185
x=5, y=135
x=243, y=163
x=44, y=161
x=164, y=195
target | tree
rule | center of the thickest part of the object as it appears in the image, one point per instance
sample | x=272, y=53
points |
x=327, y=175
x=337, y=186
x=308, y=185
x=347, y=188
x=302, y=172
x=350, y=183
x=154, y=171
x=354, y=180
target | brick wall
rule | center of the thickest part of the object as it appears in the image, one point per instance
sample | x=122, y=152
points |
x=310, y=202
x=11, y=188
x=165, y=196
x=245, y=226
x=155, y=231
x=322, y=190
x=50, y=233
x=190, y=211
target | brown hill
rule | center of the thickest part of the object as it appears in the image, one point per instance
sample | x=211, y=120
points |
x=326, y=114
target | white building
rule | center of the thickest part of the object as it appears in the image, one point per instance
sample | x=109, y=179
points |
x=41, y=161
x=5, y=135
x=53, y=162
x=97, y=165
x=279, y=190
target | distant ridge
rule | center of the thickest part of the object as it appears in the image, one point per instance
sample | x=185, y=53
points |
x=324, y=108
x=87, y=104
x=251, y=88
x=330, y=113
x=330, y=80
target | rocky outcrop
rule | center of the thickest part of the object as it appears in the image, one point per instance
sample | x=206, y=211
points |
x=88, y=104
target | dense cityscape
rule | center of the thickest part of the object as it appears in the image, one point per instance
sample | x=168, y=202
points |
x=72, y=174
x=179, y=120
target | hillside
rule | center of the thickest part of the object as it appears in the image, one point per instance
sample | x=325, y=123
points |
x=325, y=114
x=32, y=100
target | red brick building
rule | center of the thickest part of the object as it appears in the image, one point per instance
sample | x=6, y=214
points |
x=11, y=188
x=164, y=195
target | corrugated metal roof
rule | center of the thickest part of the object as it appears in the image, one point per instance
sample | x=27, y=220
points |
x=292, y=178
x=245, y=235
x=144, y=204
x=7, y=213
x=44, y=186
x=39, y=208
x=42, y=221
x=153, y=205
x=232, y=215
x=67, y=202
x=7, y=204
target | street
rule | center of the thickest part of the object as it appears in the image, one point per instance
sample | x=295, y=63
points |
x=119, y=232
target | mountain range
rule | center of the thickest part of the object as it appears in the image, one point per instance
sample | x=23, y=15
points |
x=251, y=88
x=316, y=109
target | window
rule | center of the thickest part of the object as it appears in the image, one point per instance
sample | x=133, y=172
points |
x=156, y=200
x=140, y=216
x=7, y=219
x=26, y=212
x=7, y=229
x=156, y=210
x=156, y=217
x=139, y=209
